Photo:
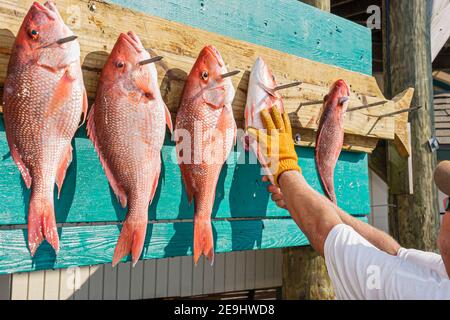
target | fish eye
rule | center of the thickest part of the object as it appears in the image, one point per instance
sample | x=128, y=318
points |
x=273, y=77
x=325, y=98
x=33, y=33
x=205, y=75
x=120, y=64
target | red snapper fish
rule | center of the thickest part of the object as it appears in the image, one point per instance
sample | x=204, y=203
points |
x=261, y=95
x=205, y=135
x=127, y=127
x=44, y=99
x=330, y=135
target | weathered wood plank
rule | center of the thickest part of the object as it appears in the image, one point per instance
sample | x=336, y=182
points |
x=272, y=24
x=180, y=44
x=90, y=245
x=240, y=192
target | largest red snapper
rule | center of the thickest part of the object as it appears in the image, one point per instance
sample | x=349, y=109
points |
x=127, y=126
x=44, y=98
x=330, y=135
x=205, y=134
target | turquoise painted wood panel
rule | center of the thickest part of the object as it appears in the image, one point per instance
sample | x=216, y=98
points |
x=285, y=25
x=86, y=195
x=89, y=245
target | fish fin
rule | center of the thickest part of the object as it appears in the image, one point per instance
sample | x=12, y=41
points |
x=41, y=224
x=142, y=80
x=131, y=239
x=154, y=185
x=223, y=123
x=62, y=168
x=85, y=107
x=19, y=163
x=263, y=161
x=118, y=191
x=187, y=183
x=203, y=239
x=61, y=94
x=270, y=91
x=168, y=118
x=215, y=98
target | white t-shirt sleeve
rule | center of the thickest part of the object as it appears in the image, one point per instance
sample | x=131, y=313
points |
x=425, y=259
x=358, y=270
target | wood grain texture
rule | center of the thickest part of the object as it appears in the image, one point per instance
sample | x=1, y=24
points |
x=91, y=245
x=323, y=5
x=414, y=219
x=281, y=25
x=305, y=275
x=86, y=195
x=180, y=44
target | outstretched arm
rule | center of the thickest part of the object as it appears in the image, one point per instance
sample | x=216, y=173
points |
x=300, y=209
x=313, y=213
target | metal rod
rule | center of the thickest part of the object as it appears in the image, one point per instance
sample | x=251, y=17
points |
x=311, y=103
x=289, y=85
x=230, y=74
x=370, y=105
x=67, y=39
x=151, y=60
x=399, y=112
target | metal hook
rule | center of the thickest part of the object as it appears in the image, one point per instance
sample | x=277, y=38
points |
x=289, y=85
x=230, y=74
x=367, y=106
x=151, y=60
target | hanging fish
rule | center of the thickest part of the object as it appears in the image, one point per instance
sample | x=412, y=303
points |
x=205, y=134
x=127, y=126
x=330, y=135
x=44, y=99
x=261, y=95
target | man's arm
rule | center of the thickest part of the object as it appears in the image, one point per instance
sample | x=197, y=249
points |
x=316, y=215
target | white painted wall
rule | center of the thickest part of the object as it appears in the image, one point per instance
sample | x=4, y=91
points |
x=171, y=277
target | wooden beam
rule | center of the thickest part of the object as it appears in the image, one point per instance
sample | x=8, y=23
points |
x=320, y=4
x=305, y=275
x=413, y=219
x=440, y=26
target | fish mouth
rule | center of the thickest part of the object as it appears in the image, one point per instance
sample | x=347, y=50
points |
x=132, y=40
x=215, y=53
x=48, y=8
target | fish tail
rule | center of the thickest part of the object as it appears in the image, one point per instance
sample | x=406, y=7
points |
x=41, y=224
x=131, y=239
x=203, y=239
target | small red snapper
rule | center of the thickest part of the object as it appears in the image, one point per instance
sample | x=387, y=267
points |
x=44, y=99
x=205, y=134
x=127, y=126
x=330, y=135
x=261, y=94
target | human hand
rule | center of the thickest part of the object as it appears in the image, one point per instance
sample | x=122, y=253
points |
x=277, y=195
x=276, y=142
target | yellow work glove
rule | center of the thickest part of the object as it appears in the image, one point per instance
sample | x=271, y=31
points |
x=276, y=142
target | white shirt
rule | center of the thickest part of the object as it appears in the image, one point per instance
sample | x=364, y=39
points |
x=359, y=271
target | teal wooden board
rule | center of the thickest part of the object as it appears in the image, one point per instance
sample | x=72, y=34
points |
x=87, y=197
x=89, y=245
x=285, y=25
